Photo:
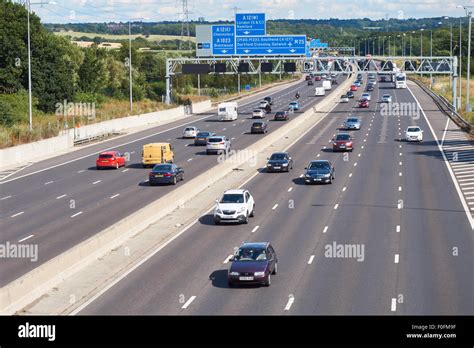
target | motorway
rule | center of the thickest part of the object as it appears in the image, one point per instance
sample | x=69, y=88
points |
x=60, y=202
x=395, y=199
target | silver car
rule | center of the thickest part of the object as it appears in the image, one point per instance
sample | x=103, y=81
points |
x=386, y=98
x=217, y=144
x=365, y=96
x=190, y=132
x=352, y=123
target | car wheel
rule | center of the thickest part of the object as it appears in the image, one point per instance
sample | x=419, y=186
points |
x=216, y=221
x=98, y=168
x=231, y=285
x=252, y=214
x=275, y=270
x=330, y=180
x=269, y=280
x=174, y=180
x=182, y=177
x=116, y=165
x=207, y=152
x=246, y=219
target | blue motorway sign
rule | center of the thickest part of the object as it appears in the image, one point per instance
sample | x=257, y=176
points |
x=223, y=40
x=250, y=24
x=271, y=45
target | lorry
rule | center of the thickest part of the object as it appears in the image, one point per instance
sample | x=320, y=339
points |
x=318, y=91
x=400, y=80
x=155, y=153
x=227, y=111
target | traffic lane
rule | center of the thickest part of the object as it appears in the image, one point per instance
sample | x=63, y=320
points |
x=19, y=230
x=34, y=188
x=112, y=143
x=435, y=225
x=212, y=245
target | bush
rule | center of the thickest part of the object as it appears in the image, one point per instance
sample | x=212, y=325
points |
x=7, y=117
x=14, y=108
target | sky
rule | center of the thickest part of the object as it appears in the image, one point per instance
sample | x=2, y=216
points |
x=77, y=11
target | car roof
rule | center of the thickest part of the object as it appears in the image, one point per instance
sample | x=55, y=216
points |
x=258, y=122
x=343, y=134
x=319, y=161
x=217, y=136
x=113, y=152
x=280, y=153
x=257, y=245
x=235, y=191
x=352, y=117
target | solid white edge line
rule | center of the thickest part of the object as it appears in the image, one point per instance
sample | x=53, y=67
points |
x=76, y=214
x=453, y=178
x=17, y=214
x=3, y=198
x=114, y=196
x=188, y=302
x=62, y=196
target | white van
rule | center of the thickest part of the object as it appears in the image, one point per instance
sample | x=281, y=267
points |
x=227, y=111
x=318, y=91
x=327, y=85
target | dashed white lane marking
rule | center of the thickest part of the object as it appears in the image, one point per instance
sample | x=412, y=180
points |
x=311, y=258
x=188, y=302
x=275, y=206
x=400, y=174
x=227, y=259
x=355, y=164
x=325, y=229
x=125, y=170
x=324, y=147
x=400, y=163
x=224, y=129
x=62, y=196
x=146, y=180
x=399, y=188
x=232, y=138
x=290, y=303
x=398, y=229
x=115, y=196
x=336, y=206
x=318, y=155
x=397, y=258
x=83, y=170
x=350, y=175
x=17, y=214
x=76, y=214
x=132, y=152
x=393, y=306
x=255, y=229
x=301, y=175
x=343, y=189
x=26, y=238
x=96, y=182
x=49, y=182
x=400, y=153
x=358, y=155
x=290, y=189
x=400, y=146
x=190, y=159
x=362, y=147
x=365, y=140
x=3, y=198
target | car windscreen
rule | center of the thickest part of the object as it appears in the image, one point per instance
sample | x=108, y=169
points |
x=248, y=254
x=257, y=124
x=280, y=113
x=342, y=137
x=318, y=165
x=232, y=198
x=162, y=168
x=277, y=157
x=202, y=134
x=258, y=111
x=413, y=129
x=215, y=140
x=352, y=120
x=386, y=96
x=189, y=129
x=106, y=156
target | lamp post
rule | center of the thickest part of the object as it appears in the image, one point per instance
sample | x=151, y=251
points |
x=469, y=15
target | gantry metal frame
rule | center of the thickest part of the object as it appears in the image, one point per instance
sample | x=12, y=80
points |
x=445, y=65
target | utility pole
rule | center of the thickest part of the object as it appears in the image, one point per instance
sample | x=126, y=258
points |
x=30, y=106
x=185, y=25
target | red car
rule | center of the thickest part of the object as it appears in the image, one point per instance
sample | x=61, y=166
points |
x=353, y=88
x=317, y=78
x=342, y=142
x=364, y=103
x=110, y=159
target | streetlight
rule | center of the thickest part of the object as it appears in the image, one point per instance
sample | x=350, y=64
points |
x=404, y=43
x=130, y=56
x=389, y=49
x=469, y=15
x=411, y=37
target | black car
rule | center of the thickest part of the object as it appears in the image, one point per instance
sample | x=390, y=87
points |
x=279, y=162
x=350, y=94
x=310, y=82
x=320, y=171
x=370, y=88
x=269, y=100
x=281, y=116
x=166, y=174
x=258, y=127
x=253, y=263
x=201, y=138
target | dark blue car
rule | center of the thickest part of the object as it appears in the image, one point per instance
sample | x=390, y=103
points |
x=320, y=171
x=280, y=162
x=166, y=174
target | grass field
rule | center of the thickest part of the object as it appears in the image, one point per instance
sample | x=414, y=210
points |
x=78, y=34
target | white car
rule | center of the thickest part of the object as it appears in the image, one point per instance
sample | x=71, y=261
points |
x=234, y=206
x=386, y=98
x=365, y=96
x=190, y=132
x=258, y=113
x=217, y=144
x=263, y=104
x=414, y=133
x=344, y=99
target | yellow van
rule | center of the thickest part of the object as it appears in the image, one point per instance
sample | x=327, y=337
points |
x=155, y=153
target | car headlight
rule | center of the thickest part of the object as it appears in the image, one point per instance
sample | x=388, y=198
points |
x=307, y=176
x=327, y=175
x=259, y=274
x=234, y=273
x=269, y=165
x=285, y=164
